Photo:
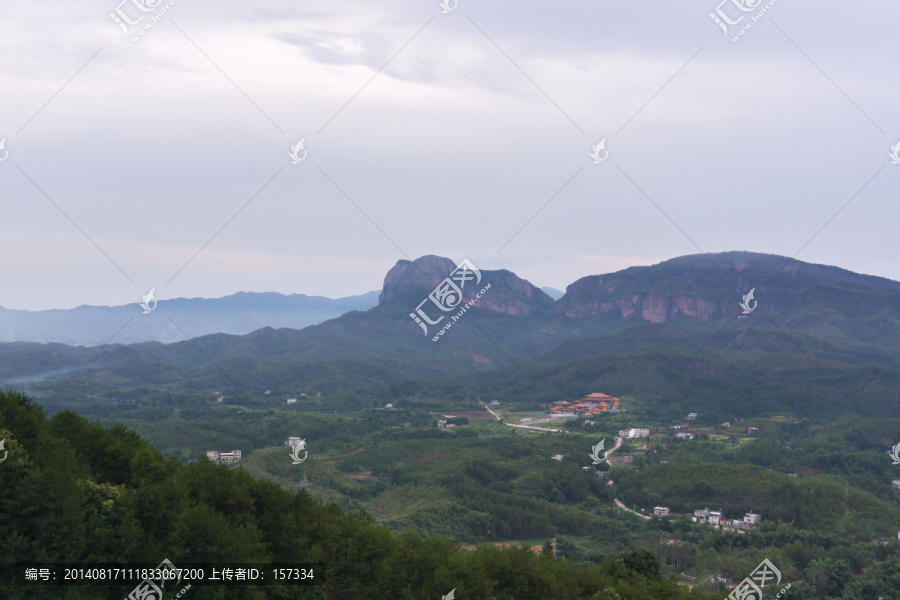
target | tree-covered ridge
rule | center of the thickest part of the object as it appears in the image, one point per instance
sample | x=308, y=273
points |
x=628, y=333
x=78, y=492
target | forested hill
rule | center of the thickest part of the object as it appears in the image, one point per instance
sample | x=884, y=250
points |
x=628, y=333
x=76, y=492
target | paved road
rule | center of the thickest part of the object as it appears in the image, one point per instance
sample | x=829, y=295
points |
x=616, y=447
x=522, y=426
x=623, y=507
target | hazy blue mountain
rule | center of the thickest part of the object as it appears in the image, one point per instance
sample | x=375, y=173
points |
x=237, y=314
x=553, y=292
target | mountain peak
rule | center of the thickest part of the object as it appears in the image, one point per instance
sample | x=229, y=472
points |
x=410, y=282
x=700, y=286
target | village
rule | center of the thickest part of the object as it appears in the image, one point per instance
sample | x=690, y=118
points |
x=598, y=403
x=714, y=518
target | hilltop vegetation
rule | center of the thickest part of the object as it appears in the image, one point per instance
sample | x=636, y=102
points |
x=76, y=492
x=488, y=482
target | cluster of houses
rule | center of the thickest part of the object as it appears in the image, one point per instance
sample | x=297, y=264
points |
x=592, y=404
x=715, y=518
x=443, y=424
x=232, y=456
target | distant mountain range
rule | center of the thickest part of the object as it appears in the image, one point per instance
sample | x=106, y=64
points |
x=238, y=314
x=671, y=337
x=553, y=292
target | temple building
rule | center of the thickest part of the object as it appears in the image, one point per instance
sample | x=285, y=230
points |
x=591, y=404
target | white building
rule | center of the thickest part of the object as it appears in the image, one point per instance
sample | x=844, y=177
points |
x=685, y=436
x=557, y=457
x=634, y=433
x=691, y=416
x=389, y=406
x=224, y=456
x=701, y=515
x=291, y=400
x=230, y=456
x=715, y=516
x=661, y=511
x=752, y=519
x=293, y=441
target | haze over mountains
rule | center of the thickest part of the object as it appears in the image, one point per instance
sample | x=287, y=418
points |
x=237, y=314
x=821, y=341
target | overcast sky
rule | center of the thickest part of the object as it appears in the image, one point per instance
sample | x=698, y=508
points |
x=116, y=179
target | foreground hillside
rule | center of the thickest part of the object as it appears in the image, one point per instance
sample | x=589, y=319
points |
x=75, y=492
x=486, y=481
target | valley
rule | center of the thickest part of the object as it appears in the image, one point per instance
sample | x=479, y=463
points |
x=787, y=413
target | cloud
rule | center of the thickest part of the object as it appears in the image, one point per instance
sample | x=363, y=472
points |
x=454, y=146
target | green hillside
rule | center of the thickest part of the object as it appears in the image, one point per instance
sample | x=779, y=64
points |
x=75, y=492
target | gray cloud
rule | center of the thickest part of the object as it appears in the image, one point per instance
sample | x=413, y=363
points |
x=450, y=149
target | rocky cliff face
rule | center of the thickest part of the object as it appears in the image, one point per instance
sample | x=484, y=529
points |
x=411, y=282
x=697, y=287
x=417, y=277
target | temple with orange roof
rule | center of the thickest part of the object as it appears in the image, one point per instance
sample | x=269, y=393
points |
x=591, y=404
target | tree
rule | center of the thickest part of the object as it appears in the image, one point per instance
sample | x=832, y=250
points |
x=607, y=594
x=643, y=562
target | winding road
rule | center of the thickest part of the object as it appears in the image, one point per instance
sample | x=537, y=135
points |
x=618, y=445
x=523, y=426
x=623, y=507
